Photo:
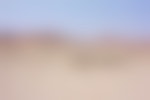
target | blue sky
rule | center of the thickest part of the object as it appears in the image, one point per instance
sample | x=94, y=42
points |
x=77, y=15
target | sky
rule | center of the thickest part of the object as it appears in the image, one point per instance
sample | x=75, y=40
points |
x=78, y=16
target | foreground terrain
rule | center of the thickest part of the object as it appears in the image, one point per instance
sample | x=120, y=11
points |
x=35, y=72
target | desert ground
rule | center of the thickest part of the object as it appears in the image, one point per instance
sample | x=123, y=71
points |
x=30, y=72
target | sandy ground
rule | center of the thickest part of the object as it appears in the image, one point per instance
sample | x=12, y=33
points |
x=30, y=75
